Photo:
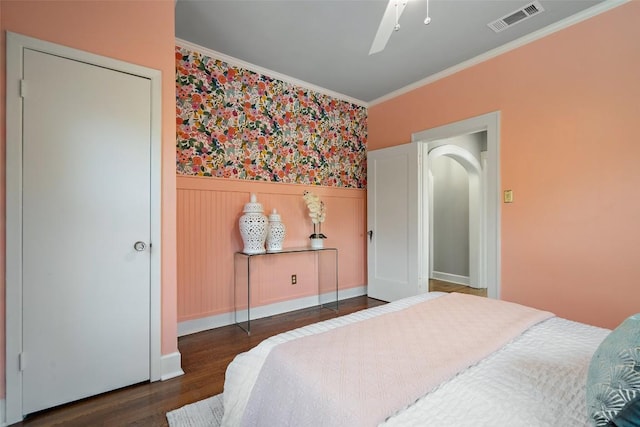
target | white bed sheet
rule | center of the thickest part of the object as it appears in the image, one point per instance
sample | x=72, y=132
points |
x=537, y=380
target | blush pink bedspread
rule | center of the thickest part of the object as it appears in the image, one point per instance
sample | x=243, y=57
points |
x=362, y=373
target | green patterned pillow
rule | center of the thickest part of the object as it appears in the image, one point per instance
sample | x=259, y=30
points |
x=629, y=416
x=614, y=373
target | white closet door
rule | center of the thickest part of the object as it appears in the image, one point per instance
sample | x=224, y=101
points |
x=393, y=214
x=86, y=187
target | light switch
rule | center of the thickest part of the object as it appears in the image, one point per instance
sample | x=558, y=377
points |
x=508, y=196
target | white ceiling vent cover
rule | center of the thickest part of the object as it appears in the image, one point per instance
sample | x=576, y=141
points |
x=519, y=15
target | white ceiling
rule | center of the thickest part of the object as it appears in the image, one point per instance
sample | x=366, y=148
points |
x=325, y=43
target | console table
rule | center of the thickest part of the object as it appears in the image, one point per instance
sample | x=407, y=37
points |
x=242, y=280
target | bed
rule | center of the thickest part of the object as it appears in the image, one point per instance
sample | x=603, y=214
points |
x=380, y=367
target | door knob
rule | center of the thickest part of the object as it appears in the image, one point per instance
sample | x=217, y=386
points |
x=139, y=246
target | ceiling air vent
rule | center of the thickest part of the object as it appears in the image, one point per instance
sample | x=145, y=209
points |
x=519, y=15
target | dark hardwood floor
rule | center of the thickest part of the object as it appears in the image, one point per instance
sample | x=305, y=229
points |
x=205, y=357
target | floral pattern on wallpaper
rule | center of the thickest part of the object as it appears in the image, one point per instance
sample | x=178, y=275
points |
x=235, y=123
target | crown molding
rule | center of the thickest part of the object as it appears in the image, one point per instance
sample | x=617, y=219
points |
x=264, y=71
x=543, y=32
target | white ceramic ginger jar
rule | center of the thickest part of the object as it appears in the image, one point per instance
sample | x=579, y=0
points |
x=276, y=233
x=253, y=227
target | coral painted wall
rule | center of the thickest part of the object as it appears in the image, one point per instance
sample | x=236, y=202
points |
x=569, y=151
x=138, y=32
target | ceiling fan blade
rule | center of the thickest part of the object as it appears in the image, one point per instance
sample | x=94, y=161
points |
x=387, y=25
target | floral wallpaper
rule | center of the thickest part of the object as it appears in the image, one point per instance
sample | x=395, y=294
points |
x=235, y=123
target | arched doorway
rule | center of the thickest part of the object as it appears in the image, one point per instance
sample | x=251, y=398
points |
x=398, y=243
x=430, y=139
x=456, y=215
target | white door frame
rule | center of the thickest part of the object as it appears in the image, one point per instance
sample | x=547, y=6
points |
x=431, y=138
x=16, y=44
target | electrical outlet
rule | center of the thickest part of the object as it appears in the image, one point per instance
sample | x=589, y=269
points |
x=294, y=279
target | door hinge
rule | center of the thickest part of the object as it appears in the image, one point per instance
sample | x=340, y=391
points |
x=21, y=362
x=23, y=88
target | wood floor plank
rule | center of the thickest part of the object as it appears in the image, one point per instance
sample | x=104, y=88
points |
x=442, y=286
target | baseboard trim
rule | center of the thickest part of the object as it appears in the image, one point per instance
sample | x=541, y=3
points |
x=189, y=327
x=453, y=278
x=171, y=366
x=352, y=292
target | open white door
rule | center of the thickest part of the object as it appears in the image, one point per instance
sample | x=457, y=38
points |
x=394, y=203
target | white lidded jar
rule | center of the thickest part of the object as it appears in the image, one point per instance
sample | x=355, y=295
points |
x=253, y=227
x=276, y=233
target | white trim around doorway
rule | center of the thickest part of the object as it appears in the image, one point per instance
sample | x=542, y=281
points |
x=490, y=123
